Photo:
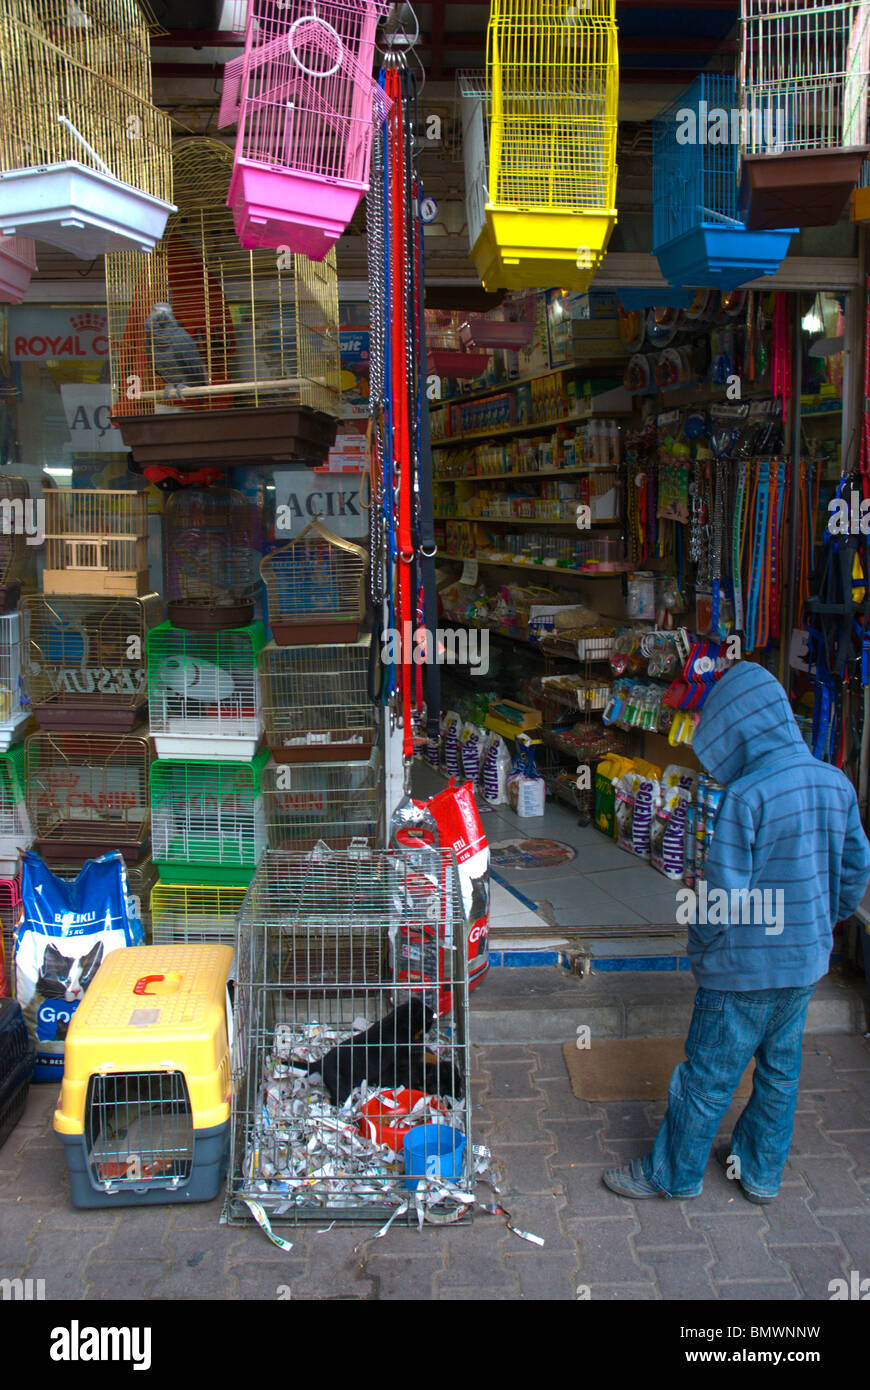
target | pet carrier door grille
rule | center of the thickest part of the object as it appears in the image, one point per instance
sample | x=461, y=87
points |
x=207, y=820
x=203, y=692
x=335, y=802
x=139, y=1129
x=88, y=794
x=96, y=542
x=86, y=665
x=316, y=701
x=365, y=949
x=315, y=586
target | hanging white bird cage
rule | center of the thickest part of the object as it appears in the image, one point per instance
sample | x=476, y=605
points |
x=17, y=264
x=84, y=155
x=221, y=356
x=804, y=70
x=307, y=108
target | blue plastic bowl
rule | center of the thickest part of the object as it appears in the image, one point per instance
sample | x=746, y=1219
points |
x=433, y=1151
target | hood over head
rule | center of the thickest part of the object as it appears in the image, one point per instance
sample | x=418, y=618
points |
x=745, y=718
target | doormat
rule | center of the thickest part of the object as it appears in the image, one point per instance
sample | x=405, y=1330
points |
x=630, y=1068
x=530, y=854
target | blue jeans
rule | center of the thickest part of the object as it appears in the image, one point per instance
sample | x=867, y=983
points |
x=728, y=1029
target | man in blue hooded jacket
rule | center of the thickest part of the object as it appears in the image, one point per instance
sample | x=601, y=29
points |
x=789, y=826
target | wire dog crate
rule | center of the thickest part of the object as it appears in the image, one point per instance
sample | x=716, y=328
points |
x=14, y=698
x=306, y=106
x=195, y=912
x=86, y=660
x=208, y=822
x=315, y=587
x=16, y=827
x=143, y=1113
x=84, y=154
x=698, y=236
x=316, y=702
x=804, y=69
x=87, y=794
x=208, y=554
x=335, y=802
x=352, y=997
x=203, y=692
x=96, y=542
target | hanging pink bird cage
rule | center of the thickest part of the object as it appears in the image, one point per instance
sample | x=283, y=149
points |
x=512, y=328
x=17, y=264
x=306, y=107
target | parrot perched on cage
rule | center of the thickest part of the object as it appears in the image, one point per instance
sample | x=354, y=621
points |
x=174, y=353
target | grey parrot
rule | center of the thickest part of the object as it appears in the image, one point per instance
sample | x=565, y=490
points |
x=174, y=353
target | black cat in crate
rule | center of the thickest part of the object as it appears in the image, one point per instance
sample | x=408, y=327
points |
x=391, y=1053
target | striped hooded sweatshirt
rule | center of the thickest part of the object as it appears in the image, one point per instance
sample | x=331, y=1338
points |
x=786, y=823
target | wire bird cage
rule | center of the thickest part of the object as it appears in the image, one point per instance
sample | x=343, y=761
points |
x=219, y=354
x=327, y=1000
x=16, y=825
x=315, y=588
x=334, y=802
x=447, y=354
x=143, y=1112
x=87, y=794
x=804, y=68
x=188, y=913
x=317, y=705
x=86, y=660
x=553, y=88
x=203, y=692
x=208, y=554
x=697, y=233
x=14, y=696
x=10, y=906
x=306, y=106
x=17, y=264
x=19, y=522
x=96, y=542
x=84, y=155
x=208, y=821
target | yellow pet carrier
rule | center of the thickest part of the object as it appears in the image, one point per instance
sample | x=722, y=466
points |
x=553, y=88
x=144, y=1108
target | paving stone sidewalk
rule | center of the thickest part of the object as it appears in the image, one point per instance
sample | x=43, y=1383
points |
x=552, y=1148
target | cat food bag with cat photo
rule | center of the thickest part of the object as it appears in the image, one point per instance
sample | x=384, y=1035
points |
x=65, y=931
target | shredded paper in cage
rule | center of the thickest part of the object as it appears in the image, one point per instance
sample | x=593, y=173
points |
x=311, y=1150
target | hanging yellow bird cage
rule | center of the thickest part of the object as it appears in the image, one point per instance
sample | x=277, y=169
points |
x=553, y=84
x=218, y=354
x=84, y=154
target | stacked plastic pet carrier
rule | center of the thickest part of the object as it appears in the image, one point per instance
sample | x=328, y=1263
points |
x=351, y=1096
x=207, y=812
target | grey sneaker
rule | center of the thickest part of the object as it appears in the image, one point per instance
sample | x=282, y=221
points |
x=722, y=1154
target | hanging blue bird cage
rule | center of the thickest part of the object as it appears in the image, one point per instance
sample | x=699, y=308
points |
x=698, y=237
